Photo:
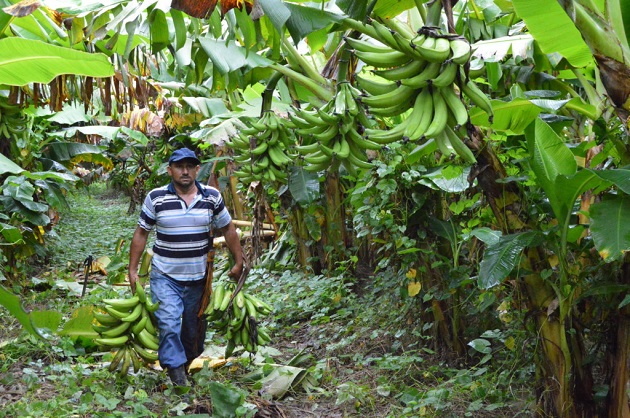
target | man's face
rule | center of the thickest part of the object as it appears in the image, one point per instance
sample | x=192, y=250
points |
x=184, y=172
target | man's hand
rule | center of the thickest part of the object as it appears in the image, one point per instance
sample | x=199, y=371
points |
x=133, y=278
x=236, y=271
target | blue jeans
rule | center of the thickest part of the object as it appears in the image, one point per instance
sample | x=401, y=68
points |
x=182, y=333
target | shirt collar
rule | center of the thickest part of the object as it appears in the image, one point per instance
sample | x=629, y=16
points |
x=202, y=190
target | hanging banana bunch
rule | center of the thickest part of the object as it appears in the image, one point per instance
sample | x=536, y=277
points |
x=421, y=76
x=334, y=132
x=238, y=321
x=263, y=149
x=14, y=125
x=127, y=325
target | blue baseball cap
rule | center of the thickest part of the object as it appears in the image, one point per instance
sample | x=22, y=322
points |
x=183, y=154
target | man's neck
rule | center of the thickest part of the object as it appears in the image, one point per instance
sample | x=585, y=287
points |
x=187, y=191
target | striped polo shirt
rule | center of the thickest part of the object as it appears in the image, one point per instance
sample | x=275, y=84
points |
x=181, y=242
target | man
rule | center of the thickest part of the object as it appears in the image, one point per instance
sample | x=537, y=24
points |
x=184, y=213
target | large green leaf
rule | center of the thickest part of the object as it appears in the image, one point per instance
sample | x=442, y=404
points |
x=500, y=259
x=80, y=323
x=306, y=20
x=549, y=158
x=24, y=61
x=225, y=399
x=8, y=166
x=73, y=151
x=553, y=30
x=610, y=228
x=511, y=117
x=228, y=56
x=304, y=186
x=12, y=303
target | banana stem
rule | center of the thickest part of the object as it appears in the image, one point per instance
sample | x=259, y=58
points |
x=434, y=13
x=308, y=69
x=267, y=96
x=320, y=91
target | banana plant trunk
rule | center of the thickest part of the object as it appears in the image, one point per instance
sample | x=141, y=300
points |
x=564, y=384
x=334, y=237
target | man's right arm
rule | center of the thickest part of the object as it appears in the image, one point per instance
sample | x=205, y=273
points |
x=138, y=242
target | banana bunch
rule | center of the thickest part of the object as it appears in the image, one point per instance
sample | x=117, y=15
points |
x=238, y=320
x=335, y=132
x=127, y=325
x=419, y=76
x=262, y=147
x=14, y=124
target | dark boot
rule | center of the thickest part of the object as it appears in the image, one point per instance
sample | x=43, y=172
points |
x=178, y=376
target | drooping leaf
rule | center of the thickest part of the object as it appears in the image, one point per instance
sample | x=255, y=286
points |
x=500, y=259
x=610, y=228
x=305, y=20
x=25, y=61
x=66, y=152
x=304, y=186
x=511, y=117
x=229, y=56
x=80, y=323
x=519, y=46
x=554, y=31
x=8, y=166
x=12, y=303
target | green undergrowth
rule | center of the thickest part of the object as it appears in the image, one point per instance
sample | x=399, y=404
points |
x=355, y=347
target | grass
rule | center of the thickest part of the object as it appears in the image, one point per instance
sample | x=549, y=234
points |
x=354, y=339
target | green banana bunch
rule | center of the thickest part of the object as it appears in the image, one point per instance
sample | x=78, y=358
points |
x=335, y=132
x=262, y=149
x=237, y=318
x=427, y=91
x=127, y=325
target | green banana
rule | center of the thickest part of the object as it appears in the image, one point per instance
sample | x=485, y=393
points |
x=142, y=296
x=260, y=148
x=151, y=307
x=226, y=300
x=123, y=304
x=384, y=34
x=440, y=115
x=366, y=46
x=382, y=59
x=394, y=97
x=373, y=86
x=402, y=72
x=147, y=340
x=460, y=50
x=115, y=312
x=455, y=105
x=139, y=325
x=448, y=72
x=105, y=319
x=433, y=49
x=120, y=354
x=423, y=78
x=135, y=360
x=458, y=146
x=317, y=157
x=219, y=291
x=125, y=363
x=112, y=342
x=426, y=119
x=145, y=354
x=478, y=98
x=116, y=331
x=362, y=142
x=135, y=314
